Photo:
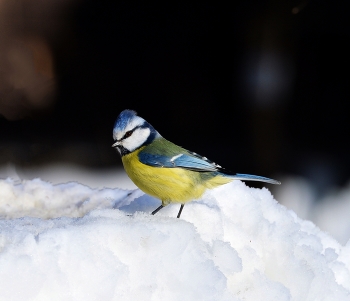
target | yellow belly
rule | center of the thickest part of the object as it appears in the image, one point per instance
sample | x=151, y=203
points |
x=170, y=184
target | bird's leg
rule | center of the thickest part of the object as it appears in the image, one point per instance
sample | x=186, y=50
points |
x=182, y=207
x=155, y=211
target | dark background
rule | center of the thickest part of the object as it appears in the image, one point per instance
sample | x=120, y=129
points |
x=260, y=87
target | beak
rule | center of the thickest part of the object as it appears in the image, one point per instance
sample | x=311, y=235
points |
x=115, y=144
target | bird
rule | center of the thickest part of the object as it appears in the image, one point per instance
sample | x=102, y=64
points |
x=165, y=170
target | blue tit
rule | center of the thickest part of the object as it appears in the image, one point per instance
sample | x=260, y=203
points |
x=163, y=169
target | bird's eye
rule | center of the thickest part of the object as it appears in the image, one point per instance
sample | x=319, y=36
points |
x=127, y=134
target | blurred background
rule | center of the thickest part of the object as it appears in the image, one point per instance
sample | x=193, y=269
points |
x=259, y=87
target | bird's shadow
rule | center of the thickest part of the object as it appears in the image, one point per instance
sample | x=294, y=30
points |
x=144, y=203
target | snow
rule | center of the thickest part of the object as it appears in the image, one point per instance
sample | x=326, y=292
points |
x=71, y=242
x=330, y=212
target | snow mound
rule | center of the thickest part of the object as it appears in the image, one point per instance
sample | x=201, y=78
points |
x=70, y=242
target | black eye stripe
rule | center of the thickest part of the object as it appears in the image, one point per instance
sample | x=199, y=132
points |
x=127, y=134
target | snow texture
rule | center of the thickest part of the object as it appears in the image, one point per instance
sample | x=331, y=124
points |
x=71, y=242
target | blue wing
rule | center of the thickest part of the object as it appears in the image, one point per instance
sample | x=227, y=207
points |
x=190, y=162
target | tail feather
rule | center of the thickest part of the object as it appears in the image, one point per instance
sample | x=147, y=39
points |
x=244, y=177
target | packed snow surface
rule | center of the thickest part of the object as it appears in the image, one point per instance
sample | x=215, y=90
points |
x=71, y=242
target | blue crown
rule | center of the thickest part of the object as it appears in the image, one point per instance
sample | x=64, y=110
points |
x=123, y=119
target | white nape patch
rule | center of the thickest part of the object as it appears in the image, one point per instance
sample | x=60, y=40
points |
x=175, y=157
x=138, y=137
x=133, y=123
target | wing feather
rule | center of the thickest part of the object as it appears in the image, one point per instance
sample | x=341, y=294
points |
x=181, y=160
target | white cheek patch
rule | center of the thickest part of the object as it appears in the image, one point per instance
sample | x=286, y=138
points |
x=138, y=137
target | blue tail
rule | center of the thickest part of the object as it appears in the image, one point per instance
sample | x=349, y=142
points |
x=244, y=177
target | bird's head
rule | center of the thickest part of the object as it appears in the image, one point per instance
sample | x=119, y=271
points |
x=130, y=132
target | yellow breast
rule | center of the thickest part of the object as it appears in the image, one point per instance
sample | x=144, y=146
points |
x=169, y=184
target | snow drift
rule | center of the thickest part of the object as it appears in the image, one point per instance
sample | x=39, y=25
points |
x=71, y=242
